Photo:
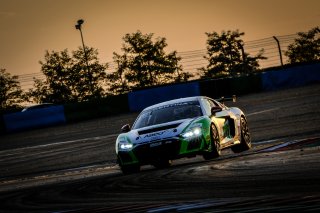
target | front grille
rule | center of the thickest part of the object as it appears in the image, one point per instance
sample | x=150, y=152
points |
x=168, y=149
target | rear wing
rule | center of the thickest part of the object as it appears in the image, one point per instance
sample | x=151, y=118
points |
x=223, y=99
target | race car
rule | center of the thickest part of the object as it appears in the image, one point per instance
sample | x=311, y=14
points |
x=184, y=127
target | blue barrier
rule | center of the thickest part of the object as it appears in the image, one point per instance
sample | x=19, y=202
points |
x=267, y=81
x=291, y=77
x=35, y=118
x=138, y=100
x=141, y=99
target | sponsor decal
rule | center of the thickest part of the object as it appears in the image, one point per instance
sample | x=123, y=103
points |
x=179, y=104
x=154, y=134
x=155, y=144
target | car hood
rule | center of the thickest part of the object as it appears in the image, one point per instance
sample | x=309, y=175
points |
x=158, y=132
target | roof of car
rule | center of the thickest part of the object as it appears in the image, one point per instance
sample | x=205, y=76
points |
x=174, y=101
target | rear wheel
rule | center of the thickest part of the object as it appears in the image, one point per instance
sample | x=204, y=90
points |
x=214, y=150
x=245, y=142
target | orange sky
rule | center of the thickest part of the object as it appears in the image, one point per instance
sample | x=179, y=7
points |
x=30, y=27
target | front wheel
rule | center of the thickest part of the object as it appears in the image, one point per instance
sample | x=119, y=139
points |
x=214, y=150
x=245, y=142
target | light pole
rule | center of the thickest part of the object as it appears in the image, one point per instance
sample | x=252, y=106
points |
x=78, y=27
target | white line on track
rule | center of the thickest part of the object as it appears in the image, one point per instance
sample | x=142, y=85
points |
x=59, y=143
x=263, y=111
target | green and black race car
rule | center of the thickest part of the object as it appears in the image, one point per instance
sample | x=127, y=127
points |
x=179, y=128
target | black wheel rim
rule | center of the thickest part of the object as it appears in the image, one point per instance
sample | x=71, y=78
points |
x=215, y=138
x=245, y=131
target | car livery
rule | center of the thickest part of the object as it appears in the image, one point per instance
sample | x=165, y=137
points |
x=180, y=128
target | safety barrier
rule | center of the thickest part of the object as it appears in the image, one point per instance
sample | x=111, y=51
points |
x=108, y=106
x=139, y=99
x=231, y=86
x=253, y=83
x=291, y=77
x=35, y=118
x=2, y=126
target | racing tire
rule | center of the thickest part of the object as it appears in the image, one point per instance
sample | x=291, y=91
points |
x=130, y=169
x=245, y=142
x=214, y=149
x=162, y=163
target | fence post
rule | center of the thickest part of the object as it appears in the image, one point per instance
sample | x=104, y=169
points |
x=280, y=54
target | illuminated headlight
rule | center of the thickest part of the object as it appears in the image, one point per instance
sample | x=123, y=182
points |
x=192, y=133
x=125, y=146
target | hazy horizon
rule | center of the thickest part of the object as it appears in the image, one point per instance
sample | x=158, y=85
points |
x=29, y=28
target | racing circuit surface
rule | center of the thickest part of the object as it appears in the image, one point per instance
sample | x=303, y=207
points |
x=72, y=168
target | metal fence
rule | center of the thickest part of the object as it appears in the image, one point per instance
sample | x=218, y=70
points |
x=193, y=60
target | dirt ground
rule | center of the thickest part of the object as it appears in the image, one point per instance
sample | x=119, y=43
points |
x=72, y=167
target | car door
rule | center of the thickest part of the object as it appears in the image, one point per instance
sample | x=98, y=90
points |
x=226, y=122
x=218, y=120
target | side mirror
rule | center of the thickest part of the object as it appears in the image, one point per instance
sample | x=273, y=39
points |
x=223, y=99
x=215, y=109
x=234, y=98
x=126, y=128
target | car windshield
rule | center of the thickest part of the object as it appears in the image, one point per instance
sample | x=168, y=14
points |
x=167, y=113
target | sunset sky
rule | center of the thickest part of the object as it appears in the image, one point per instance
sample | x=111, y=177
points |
x=30, y=27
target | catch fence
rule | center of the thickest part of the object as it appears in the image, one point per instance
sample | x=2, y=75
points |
x=192, y=61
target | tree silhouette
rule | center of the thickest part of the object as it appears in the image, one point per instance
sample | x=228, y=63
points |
x=226, y=55
x=306, y=48
x=145, y=63
x=11, y=94
x=91, y=80
x=68, y=79
x=118, y=84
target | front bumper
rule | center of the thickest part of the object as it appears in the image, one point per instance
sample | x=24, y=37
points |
x=165, y=149
x=170, y=149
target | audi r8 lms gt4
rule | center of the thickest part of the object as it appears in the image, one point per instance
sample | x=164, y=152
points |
x=180, y=128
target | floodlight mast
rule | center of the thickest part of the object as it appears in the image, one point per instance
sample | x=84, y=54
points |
x=78, y=27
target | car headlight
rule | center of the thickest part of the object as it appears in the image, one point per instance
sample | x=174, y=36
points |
x=125, y=146
x=192, y=133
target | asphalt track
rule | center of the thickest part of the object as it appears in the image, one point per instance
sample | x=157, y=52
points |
x=72, y=168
